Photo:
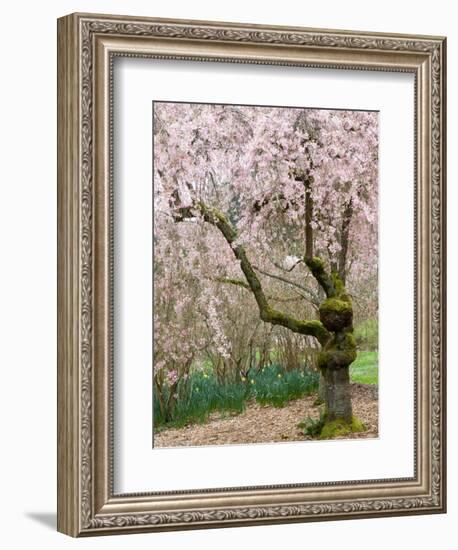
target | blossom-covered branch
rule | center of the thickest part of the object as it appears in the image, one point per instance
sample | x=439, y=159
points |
x=267, y=313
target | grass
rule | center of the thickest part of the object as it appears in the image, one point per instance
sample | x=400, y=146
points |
x=203, y=395
x=365, y=369
x=366, y=334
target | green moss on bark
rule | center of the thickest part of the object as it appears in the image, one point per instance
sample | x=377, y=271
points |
x=339, y=428
x=315, y=264
x=317, y=267
x=338, y=353
x=336, y=314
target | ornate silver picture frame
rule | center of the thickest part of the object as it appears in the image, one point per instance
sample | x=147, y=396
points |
x=88, y=44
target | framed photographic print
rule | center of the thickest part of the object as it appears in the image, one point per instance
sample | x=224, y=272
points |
x=251, y=285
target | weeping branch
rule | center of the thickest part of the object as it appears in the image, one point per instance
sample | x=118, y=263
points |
x=311, y=296
x=230, y=281
x=276, y=198
x=314, y=263
x=279, y=266
x=238, y=282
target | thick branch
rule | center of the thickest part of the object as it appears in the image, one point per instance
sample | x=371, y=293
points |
x=314, y=263
x=333, y=283
x=310, y=328
x=267, y=313
x=327, y=283
x=307, y=179
x=228, y=280
x=308, y=231
x=344, y=239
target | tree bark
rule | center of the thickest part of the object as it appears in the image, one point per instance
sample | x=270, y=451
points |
x=344, y=240
x=321, y=398
x=336, y=356
x=337, y=394
x=308, y=231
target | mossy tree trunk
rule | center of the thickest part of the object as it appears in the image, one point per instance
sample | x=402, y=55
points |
x=334, y=329
x=337, y=394
x=339, y=351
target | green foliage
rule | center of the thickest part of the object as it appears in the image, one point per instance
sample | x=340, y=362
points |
x=202, y=394
x=365, y=369
x=275, y=386
x=366, y=335
x=312, y=426
x=319, y=428
x=198, y=398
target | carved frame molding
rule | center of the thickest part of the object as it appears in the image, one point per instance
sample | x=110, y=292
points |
x=87, y=45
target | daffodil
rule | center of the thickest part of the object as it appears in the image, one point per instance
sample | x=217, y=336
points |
x=278, y=375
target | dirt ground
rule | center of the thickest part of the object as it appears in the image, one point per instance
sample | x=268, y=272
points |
x=266, y=424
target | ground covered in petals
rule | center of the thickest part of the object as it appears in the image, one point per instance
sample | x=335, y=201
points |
x=267, y=424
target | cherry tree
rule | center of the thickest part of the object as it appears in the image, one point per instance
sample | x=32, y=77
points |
x=262, y=196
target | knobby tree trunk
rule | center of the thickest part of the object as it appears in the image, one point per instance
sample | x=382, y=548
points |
x=334, y=329
x=336, y=315
x=337, y=354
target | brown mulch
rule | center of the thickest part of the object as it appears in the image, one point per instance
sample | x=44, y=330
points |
x=266, y=424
